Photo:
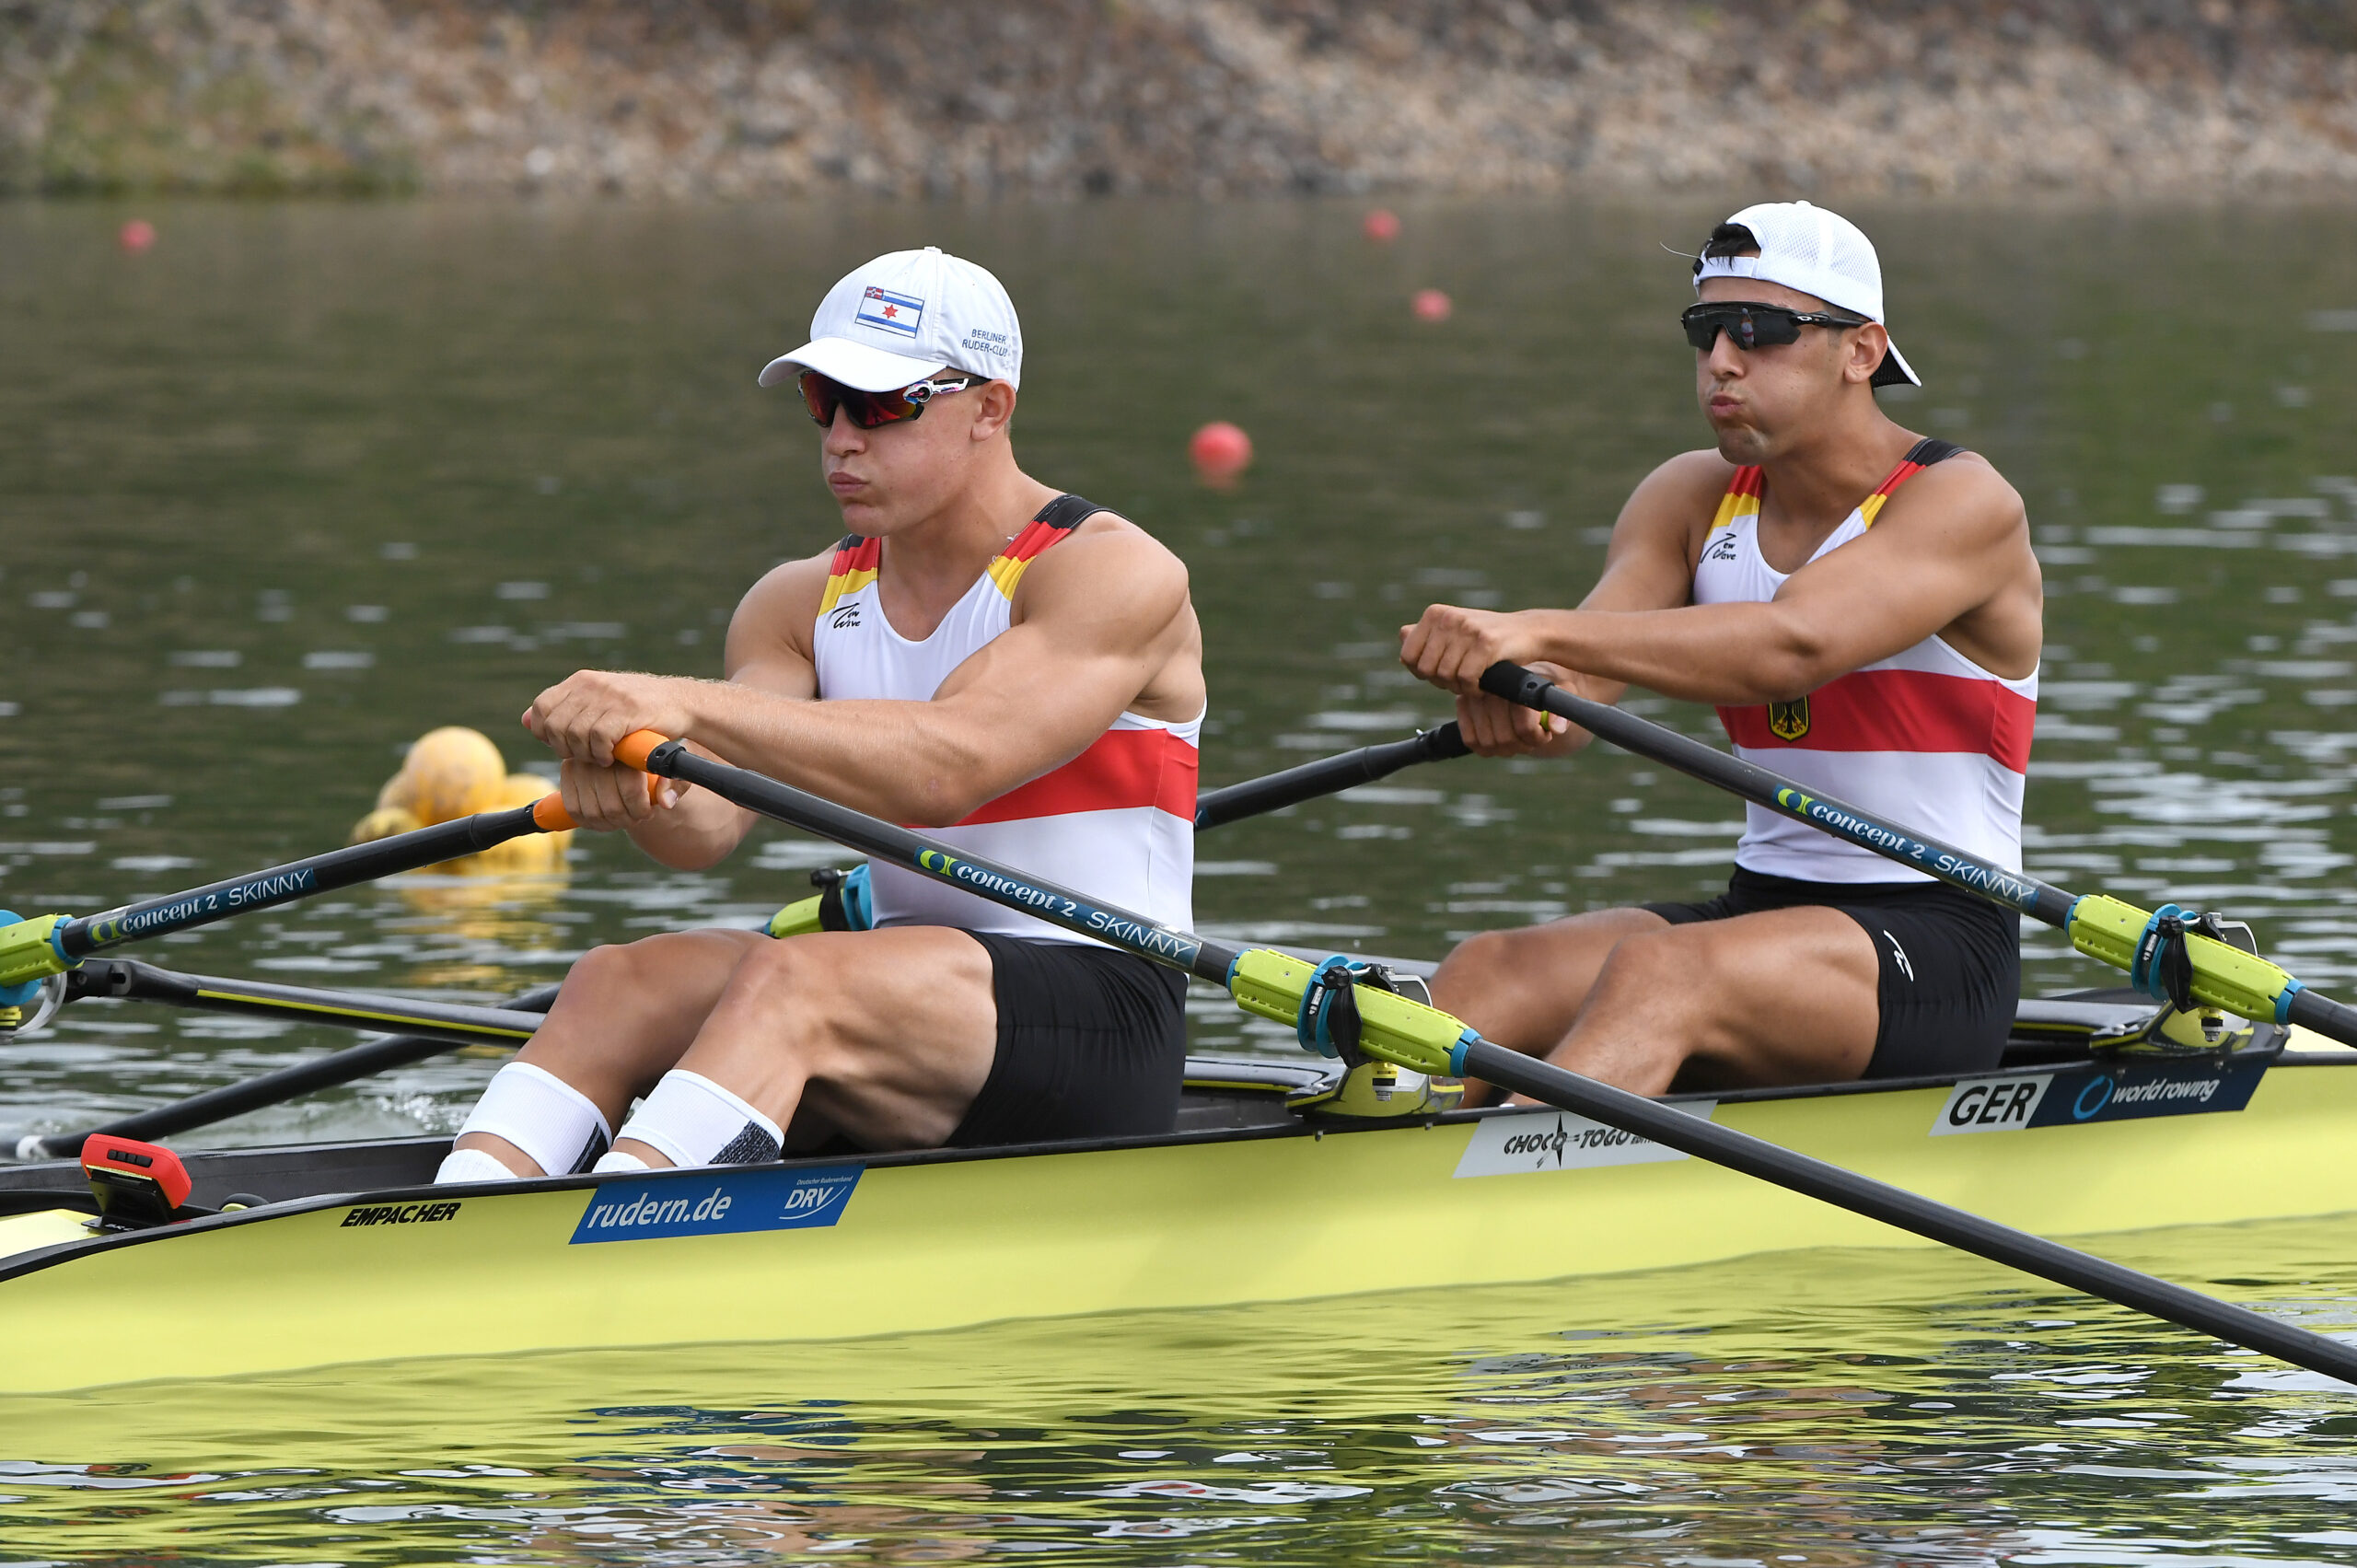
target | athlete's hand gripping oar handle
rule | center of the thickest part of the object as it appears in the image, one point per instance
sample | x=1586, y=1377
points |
x=34, y=950
x=1908, y=1211
x=1328, y=775
x=2134, y=939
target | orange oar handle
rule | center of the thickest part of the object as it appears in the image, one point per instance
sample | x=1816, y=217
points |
x=548, y=814
x=633, y=748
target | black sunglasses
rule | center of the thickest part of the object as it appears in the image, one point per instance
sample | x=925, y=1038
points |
x=1749, y=326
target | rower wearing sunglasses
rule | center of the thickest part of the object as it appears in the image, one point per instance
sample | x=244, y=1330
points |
x=1862, y=605
x=1010, y=666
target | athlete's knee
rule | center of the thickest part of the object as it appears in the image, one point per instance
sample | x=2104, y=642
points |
x=618, y=970
x=1664, y=963
x=809, y=982
x=1483, y=958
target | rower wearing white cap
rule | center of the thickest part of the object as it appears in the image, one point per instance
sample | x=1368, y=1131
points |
x=1015, y=669
x=1862, y=605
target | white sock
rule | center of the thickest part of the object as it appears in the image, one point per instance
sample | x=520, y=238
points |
x=542, y=1115
x=692, y=1121
x=614, y=1160
x=472, y=1165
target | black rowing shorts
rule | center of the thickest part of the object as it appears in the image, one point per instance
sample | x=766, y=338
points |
x=1092, y=1043
x=1951, y=964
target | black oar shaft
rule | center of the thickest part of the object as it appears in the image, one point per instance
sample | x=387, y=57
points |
x=431, y=1028
x=1326, y=776
x=2040, y=900
x=1910, y=1212
x=298, y=879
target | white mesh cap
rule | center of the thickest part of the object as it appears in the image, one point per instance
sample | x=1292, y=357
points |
x=1811, y=250
x=904, y=317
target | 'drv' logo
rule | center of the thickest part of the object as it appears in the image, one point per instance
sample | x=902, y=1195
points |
x=1788, y=721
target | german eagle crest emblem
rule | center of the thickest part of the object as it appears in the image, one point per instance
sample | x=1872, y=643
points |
x=1788, y=721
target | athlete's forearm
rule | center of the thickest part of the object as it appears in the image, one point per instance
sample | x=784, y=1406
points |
x=912, y=762
x=1722, y=654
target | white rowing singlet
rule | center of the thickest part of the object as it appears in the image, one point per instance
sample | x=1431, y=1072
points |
x=1117, y=822
x=1926, y=737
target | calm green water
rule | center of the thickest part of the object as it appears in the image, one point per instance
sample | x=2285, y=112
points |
x=302, y=482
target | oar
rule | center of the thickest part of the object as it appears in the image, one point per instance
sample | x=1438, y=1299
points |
x=826, y=911
x=1328, y=775
x=429, y=1028
x=2148, y=945
x=1410, y=1034
x=34, y=950
x=432, y=1029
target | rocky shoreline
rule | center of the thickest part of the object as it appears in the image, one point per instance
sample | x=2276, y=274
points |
x=748, y=98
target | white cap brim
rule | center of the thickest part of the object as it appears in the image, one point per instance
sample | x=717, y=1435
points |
x=857, y=366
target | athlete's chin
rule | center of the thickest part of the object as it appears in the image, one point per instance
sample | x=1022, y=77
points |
x=1741, y=444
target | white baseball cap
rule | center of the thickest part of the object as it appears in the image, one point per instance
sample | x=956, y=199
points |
x=1813, y=251
x=904, y=317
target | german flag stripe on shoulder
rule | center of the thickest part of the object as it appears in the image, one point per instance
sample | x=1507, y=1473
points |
x=1742, y=499
x=1920, y=455
x=1056, y=519
x=852, y=568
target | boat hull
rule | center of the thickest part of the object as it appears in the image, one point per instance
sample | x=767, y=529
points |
x=830, y=1249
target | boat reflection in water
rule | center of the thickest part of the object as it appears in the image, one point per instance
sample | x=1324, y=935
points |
x=1840, y=1406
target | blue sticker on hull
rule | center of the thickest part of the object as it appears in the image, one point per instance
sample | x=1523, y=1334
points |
x=2129, y=1090
x=707, y=1202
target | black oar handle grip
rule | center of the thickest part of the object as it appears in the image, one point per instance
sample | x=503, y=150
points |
x=1443, y=741
x=1510, y=680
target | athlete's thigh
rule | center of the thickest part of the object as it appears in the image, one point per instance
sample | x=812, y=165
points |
x=889, y=1034
x=1523, y=987
x=1783, y=996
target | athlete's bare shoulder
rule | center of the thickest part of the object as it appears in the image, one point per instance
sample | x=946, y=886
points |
x=1108, y=555
x=1965, y=494
x=775, y=616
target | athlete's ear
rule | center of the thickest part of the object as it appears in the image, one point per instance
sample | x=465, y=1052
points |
x=993, y=408
x=1866, y=350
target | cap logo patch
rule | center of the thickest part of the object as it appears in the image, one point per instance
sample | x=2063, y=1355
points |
x=882, y=308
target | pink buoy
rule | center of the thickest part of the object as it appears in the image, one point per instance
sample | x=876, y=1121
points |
x=1382, y=225
x=136, y=235
x=1220, y=452
x=1432, y=305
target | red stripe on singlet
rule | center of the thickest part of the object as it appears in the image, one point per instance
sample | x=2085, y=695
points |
x=1036, y=536
x=1902, y=710
x=1123, y=769
x=1906, y=470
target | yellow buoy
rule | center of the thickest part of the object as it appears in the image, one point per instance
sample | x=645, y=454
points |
x=383, y=823
x=533, y=852
x=450, y=772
